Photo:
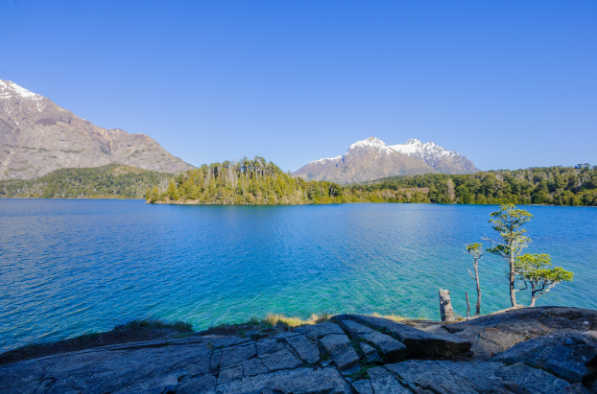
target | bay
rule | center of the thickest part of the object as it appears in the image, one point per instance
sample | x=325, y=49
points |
x=69, y=267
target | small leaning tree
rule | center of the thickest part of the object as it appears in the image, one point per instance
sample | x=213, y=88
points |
x=476, y=250
x=536, y=271
x=508, y=222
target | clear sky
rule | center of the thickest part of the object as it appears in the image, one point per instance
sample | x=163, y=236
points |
x=509, y=84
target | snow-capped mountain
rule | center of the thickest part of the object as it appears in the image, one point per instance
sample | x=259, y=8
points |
x=365, y=160
x=443, y=160
x=372, y=159
x=37, y=137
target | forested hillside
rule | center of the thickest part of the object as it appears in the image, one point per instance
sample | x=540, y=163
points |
x=259, y=182
x=109, y=181
x=546, y=185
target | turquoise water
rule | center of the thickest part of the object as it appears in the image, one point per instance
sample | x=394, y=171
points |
x=68, y=267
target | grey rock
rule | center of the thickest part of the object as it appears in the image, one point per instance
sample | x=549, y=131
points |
x=319, y=330
x=298, y=381
x=274, y=366
x=37, y=137
x=214, y=362
x=362, y=386
x=335, y=344
x=340, y=348
x=391, y=349
x=237, y=355
x=200, y=366
x=282, y=359
x=383, y=382
x=254, y=367
x=285, y=335
x=306, y=350
x=370, y=353
x=532, y=380
x=448, y=377
x=202, y=385
x=576, y=388
x=268, y=346
x=488, y=341
x=231, y=373
x=321, y=381
x=497, y=332
x=346, y=360
x=419, y=344
x=571, y=356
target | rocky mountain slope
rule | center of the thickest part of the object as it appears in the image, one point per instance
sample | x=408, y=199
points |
x=37, y=137
x=443, y=160
x=365, y=160
x=532, y=350
x=372, y=159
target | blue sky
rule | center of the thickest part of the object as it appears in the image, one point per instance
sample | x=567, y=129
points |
x=509, y=84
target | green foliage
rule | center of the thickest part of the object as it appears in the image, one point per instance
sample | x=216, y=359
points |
x=536, y=271
x=154, y=324
x=110, y=181
x=546, y=185
x=508, y=222
x=259, y=182
x=475, y=250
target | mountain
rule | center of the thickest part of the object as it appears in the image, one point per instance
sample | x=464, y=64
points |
x=37, y=137
x=372, y=159
x=444, y=161
x=365, y=160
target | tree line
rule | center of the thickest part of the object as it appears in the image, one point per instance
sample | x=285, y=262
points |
x=542, y=185
x=256, y=181
x=109, y=181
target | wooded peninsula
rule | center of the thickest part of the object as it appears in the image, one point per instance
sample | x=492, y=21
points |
x=256, y=181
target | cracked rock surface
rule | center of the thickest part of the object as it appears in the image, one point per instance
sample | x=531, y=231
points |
x=350, y=354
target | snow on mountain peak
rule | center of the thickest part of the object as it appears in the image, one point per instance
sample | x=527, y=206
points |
x=323, y=161
x=369, y=142
x=9, y=89
x=416, y=148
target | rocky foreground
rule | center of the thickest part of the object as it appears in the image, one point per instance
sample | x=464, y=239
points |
x=538, y=350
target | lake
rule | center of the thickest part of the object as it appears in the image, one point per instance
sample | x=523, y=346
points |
x=69, y=267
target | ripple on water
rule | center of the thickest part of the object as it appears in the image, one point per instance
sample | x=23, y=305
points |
x=70, y=267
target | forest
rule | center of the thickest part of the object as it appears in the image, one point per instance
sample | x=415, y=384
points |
x=257, y=181
x=542, y=185
x=109, y=181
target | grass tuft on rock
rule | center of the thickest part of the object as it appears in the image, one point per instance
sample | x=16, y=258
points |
x=392, y=316
x=275, y=319
x=144, y=324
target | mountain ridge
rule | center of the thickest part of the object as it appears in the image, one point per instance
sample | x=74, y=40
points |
x=38, y=136
x=372, y=159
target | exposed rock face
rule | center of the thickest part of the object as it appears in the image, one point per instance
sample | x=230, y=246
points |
x=365, y=160
x=37, y=137
x=310, y=359
x=373, y=159
x=444, y=161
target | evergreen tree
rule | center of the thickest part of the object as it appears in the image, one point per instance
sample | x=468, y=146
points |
x=508, y=222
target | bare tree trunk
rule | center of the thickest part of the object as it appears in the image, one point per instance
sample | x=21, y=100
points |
x=512, y=277
x=478, y=311
x=468, y=306
x=445, y=306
